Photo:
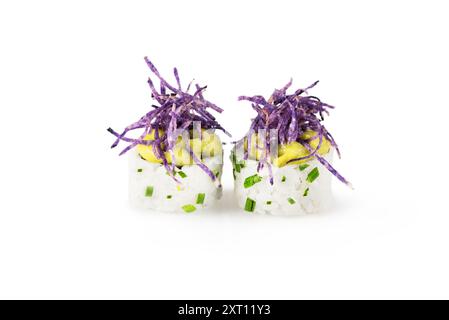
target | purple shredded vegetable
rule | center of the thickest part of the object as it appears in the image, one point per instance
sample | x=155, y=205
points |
x=175, y=110
x=289, y=116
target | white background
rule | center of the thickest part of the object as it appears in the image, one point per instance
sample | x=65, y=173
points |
x=70, y=69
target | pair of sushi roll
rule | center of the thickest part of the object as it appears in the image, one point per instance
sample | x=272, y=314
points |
x=281, y=167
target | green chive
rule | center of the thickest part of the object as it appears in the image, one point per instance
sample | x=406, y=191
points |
x=182, y=174
x=237, y=167
x=252, y=180
x=188, y=208
x=313, y=175
x=268, y=202
x=284, y=178
x=250, y=204
x=303, y=167
x=200, y=198
x=291, y=200
x=139, y=170
x=306, y=192
x=149, y=191
x=169, y=196
x=233, y=157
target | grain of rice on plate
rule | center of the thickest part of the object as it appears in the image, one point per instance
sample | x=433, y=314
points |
x=286, y=170
x=176, y=161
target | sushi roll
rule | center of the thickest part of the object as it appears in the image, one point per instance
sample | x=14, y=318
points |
x=177, y=159
x=283, y=164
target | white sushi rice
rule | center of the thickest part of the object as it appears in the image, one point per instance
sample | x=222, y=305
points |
x=287, y=195
x=150, y=187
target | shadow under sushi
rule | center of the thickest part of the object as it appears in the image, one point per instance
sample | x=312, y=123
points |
x=227, y=203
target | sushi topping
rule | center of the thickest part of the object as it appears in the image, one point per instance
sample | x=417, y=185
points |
x=176, y=109
x=250, y=205
x=188, y=208
x=149, y=191
x=200, y=198
x=289, y=118
x=313, y=175
x=303, y=167
x=252, y=180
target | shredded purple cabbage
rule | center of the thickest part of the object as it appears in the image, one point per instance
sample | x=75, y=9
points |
x=176, y=110
x=289, y=116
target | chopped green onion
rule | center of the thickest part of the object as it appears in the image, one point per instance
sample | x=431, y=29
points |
x=169, y=196
x=188, y=208
x=233, y=157
x=268, y=202
x=313, y=175
x=306, y=192
x=139, y=170
x=217, y=173
x=250, y=205
x=237, y=167
x=149, y=191
x=284, y=178
x=303, y=167
x=252, y=180
x=233, y=173
x=182, y=174
x=234, y=161
x=291, y=200
x=200, y=198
